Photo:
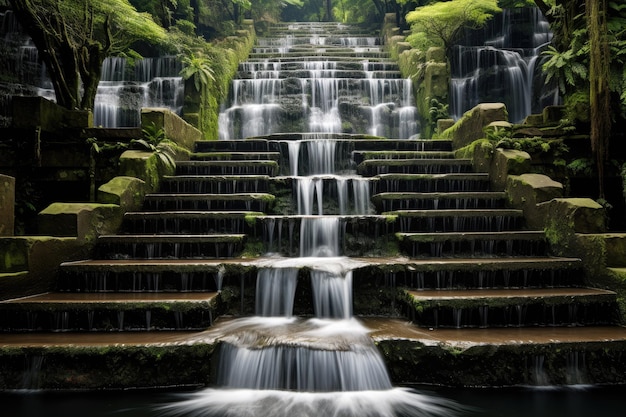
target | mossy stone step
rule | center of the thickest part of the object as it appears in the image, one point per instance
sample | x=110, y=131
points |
x=234, y=145
x=109, y=311
x=456, y=213
x=335, y=53
x=514, y=243
x=500, y=357
x=487, y=220
x=430, y=183
x=476, y=357
x=357, y=72
x=169, y=246
x=215, y=184
x=511, y=307
x=372, y=167
x=362, y=155
x=235, y=156
x=251, y=167
x=497, y=272
x=444, y=200
x=395, y=145
x=207, y=202
x=151, y=275
x=190, y=222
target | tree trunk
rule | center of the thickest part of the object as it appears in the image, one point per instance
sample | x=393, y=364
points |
x=599, y=92
x=55, y=51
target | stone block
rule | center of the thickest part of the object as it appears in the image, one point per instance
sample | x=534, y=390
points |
x=126, y=192
x=7, y=205
x=576, y=215
x=436, y=54
x=29, y=264
x=176, y=129
x=142, y=165
x=85, y=221
x=526, y=191
x=470, y=126
x=443, y=124
x=615, y=247
x=507, y=162
x=38, y=112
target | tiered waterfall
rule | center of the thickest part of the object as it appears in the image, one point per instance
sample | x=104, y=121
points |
x=311, y=268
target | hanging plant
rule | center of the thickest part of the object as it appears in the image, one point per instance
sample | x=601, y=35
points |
x=198, y=68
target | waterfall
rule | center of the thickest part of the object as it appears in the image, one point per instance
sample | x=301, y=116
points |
x=275, y=291
x=501, y=63
x=122, y=91
x=274, y=364
x=298, y=89
x=332, y=294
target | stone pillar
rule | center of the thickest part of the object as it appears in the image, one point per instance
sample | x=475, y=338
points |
x=7, y=205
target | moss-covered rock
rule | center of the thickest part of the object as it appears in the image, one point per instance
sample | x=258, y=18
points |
x=527, y=190
x=126, y=192
x=143, y=165
x=86, y=221
x=470, y=126
x=30, y=264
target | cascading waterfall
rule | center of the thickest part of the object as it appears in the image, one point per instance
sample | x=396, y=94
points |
x=501, y=64
x=122, y=91
x=274, y=364
x=286, y=87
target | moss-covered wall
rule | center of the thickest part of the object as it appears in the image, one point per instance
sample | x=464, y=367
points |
x=428, y=71
x=201, y=108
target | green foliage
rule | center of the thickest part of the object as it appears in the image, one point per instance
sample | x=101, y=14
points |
x=536, y=146
x=198, y=68
x=443, y=21
x=565, y=68
x=582, y=166
x=155, y=140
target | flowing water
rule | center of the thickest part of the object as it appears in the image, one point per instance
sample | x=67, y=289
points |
x=501, y=63
x=274, y=364
x=321, y=78
x=123, y=89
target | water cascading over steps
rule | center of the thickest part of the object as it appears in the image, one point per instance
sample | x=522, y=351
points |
x=319, y=79
x=123, y=89
x=356, y=235
x=501, y=63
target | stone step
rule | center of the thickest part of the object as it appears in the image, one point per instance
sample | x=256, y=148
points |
x=341, y=54
x=250, y=167
x=473, y=244
x=322, y=73
x=451, y=200
x=62, y=312
x=235, y=156
x=373, y=167
x=207, y=202
x=412, y=354
x=510, y=307
x=361, y=155
x=430, y=183
x=209, y=274
x=189, y=222
x=285, y=64
x=466, y=273
x=501, y=357
x=169, y=246
x=215, y=184
x=150, y=275
x=236, y=145
x=486, y=220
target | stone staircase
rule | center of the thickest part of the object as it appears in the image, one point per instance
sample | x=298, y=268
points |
x=469, y=276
